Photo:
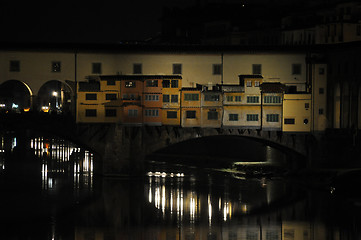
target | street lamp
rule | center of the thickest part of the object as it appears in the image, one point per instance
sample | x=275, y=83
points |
x=55, y=94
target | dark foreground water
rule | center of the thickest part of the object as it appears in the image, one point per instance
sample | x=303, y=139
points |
x=52, y=193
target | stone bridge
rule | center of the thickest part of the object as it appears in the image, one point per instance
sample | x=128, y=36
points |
x=123, y=148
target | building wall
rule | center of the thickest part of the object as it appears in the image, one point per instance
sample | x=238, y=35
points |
x=298, y=108
x=273, y=109
x=319, y=93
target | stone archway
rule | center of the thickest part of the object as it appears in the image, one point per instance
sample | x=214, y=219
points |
x=55, y=96
x=15, y=95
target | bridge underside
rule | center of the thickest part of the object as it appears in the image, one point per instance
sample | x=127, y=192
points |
x=124, y=148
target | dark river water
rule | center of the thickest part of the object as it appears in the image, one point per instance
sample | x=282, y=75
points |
x=51, y=192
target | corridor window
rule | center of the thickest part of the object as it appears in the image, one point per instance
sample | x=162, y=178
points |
x=191, y=114
x=177, y=68
x=272, y=99
x=256, y=69
x=56, y=66
x=14, y=66
x=296, y=69
x=217, y=69
x=137, y=68
x=96, y=68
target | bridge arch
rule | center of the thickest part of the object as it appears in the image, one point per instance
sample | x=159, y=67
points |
x=15, y=95
x=55, y=95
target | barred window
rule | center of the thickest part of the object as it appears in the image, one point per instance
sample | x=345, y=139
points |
x=191, y=96
x=233, y=117
x=252, y=99
x=151, y=112
x=252, y=117
x=166, y=98
x=272, y=117
x=272, y=99
x=212, y=115
x=174, y=98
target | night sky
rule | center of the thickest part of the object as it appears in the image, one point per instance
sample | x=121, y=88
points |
x=98, y=21
x=91, y=21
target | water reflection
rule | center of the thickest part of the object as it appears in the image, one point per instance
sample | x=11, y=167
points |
x=64, y=200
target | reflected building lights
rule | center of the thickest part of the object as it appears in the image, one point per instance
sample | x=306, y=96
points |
x=209, y=210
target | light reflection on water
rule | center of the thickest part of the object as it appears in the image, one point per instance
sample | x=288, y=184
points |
x=69, y=202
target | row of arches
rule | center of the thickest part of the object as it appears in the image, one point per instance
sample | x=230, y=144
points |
x=53, y=96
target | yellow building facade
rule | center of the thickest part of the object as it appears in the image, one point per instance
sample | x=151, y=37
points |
x=171, y=100
x=297, y=113
x=191, y=107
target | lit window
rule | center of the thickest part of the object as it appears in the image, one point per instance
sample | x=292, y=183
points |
x=130, y=84
x=177, y=68
x=56, y=66
x=14, y=66
x=96, y=68
x=211, y=98
x=152, y=83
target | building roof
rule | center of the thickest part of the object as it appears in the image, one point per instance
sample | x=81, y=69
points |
x=135, y=77
x=89, y=86
x=273, y=87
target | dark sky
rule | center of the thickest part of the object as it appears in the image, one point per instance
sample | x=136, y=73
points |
x=90, y=21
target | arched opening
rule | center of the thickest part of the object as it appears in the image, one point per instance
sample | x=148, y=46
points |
x=55, y=96
x=15, y=96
